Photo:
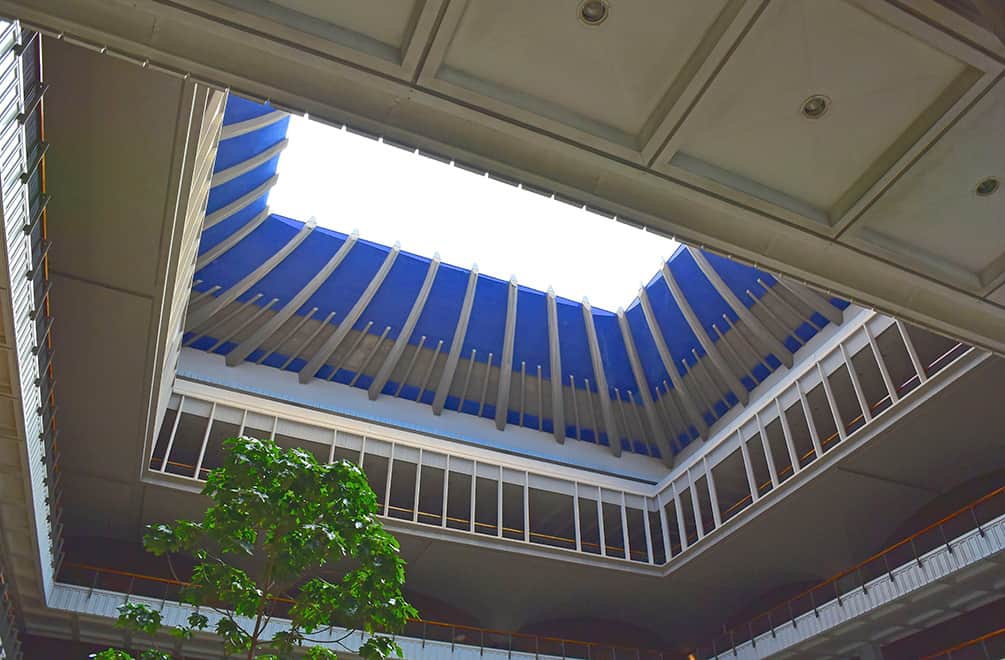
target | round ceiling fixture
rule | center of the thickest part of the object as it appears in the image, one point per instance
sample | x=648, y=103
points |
x=594, y=12
x=987, y=187
x=816, y=106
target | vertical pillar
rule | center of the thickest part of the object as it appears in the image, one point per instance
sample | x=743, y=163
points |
x=474, y=484
x=174, y=432
x=766, y=445
x=387, y=484
x=499, y=504
x=526, y=506
x=748, y=467
x=600, y=522
x=681, y=528
x=713, y=494
x=418, y=488
x=446, y=493
x=647, y=526
x=205, y=441
x=664, y=526
x=810, y=424
x=787, y=433
x=331, y=449
x=832, y=403
x=575, y=514
x=624, y=528
x=883, y=371
x=919, y=368
x=699, y=525
x=856, y=384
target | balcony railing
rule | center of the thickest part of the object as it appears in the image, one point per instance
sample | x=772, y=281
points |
x=910, y=549
x=130, y=584
x=985, y=647
x=868, y=370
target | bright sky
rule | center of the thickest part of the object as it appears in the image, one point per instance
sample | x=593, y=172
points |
x=349, y=182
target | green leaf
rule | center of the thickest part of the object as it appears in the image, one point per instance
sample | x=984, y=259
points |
x=111, y=654
x=154, y=654
x=139, y=617
x=235, y=638
x=276, y=515
x=378, y=648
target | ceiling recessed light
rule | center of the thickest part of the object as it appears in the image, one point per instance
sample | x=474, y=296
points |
x=816, y=106
x=987, y=187
x=594, y=12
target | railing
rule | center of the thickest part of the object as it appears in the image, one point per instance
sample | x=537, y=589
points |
x=167, y=589
x=911, y=548
x=986, y=647
x=25, y=275
x=640, y=523
x=856, y=422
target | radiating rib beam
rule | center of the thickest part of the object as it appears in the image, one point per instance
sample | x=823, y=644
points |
x=555, y=366
x=506, y=362
x=211, y=254
x=703, y=338
x=369, y=358
x=814, y=301
x=787, y=306
x=659, y=435
x=337, y=364
x=293, y=331
x=215, y=324
x=332, y=343
x=768, y=341
x=661, y=347
x=221, y=214
x=202, y=313
x=391, y=361
x=411, y=365
x=245, y=323
x=447, y=377
x=248, y=125
x=610, y=427
x=300, y=349
x=245, y=166
x=267, y=329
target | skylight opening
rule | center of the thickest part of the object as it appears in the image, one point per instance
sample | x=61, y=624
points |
x=390, y=195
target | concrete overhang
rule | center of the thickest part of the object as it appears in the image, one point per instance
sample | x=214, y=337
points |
x=699, y=137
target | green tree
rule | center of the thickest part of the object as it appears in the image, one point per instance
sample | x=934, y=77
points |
x=279, y=522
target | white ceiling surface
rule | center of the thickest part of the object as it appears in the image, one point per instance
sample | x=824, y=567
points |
x=683, y=116
x=110, y=171
x=827, y=524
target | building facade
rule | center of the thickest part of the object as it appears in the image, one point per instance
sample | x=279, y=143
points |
x=737, y=463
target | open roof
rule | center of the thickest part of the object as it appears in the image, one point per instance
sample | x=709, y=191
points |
x=699, y=335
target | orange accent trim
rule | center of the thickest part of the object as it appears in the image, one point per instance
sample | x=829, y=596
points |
x=972, y=642
x=848, y=571
x=428, y=622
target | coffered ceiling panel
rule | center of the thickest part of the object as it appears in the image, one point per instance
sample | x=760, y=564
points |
x=542, y=62
x=348, y=28
x=933, y=215
x=878, y=87
x=387, y=26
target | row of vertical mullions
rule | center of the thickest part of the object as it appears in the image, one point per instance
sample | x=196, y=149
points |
x=691, y=475
x=604, y=495
x=685, y=490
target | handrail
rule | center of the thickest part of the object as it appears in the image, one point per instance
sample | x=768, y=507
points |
x=959, y=647
x=766, y=485
x=971, y=507
x=561, y=641
x=640, y=555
